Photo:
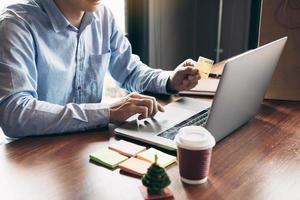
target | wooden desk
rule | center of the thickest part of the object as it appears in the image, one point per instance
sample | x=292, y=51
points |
x=259, y=161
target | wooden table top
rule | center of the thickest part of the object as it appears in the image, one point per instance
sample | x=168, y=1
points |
x=261, y=160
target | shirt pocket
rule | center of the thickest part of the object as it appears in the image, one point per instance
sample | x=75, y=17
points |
x=101, y=60
x=95, y=75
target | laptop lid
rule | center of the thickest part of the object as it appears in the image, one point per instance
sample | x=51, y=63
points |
x=242, y=88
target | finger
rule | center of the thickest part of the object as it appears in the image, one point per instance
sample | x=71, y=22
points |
x=188, y=82
x=143, y=111
x=148, y=102
x=190, y=85
x=185, y=83
x=145, y=102
x=154, y=108
x=134, y=95
x=193, y=77
x=140, y=96
x=154, y=105
x=189, y=62
x=189, y=71
x=161, y=108
x=125, y=111
x=194, y=84
x=195, y=71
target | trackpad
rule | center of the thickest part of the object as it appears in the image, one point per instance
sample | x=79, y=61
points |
x=175, y=113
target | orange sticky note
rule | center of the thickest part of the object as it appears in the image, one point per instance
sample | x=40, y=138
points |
x=126, y=148
x=135, y=166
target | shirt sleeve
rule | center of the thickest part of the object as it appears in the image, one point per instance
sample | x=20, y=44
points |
x=21, y=113
x=127, y=69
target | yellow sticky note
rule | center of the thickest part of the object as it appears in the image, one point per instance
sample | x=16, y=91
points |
x=163, y=159
x=204, y=66
x=126, y=148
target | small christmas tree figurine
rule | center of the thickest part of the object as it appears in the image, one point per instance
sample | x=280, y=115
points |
x=156, y=179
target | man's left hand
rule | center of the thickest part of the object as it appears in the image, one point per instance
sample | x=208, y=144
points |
x=184, y=77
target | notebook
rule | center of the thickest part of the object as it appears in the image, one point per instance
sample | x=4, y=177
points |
x=163, y=160
x=108, y=158
x=204, y=87
x=126, y=148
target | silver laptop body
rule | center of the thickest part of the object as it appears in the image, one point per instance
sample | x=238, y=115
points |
x=239, y=95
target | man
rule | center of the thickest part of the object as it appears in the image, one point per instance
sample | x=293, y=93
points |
x=53, y=58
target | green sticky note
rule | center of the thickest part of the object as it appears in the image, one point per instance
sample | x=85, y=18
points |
x=163, y=159
x=108, y=158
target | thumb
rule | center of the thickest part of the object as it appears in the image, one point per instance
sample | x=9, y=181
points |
x=189, y=62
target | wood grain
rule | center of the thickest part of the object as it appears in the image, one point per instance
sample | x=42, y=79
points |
x=261, y=160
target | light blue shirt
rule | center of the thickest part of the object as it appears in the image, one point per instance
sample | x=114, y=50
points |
x=51, y=73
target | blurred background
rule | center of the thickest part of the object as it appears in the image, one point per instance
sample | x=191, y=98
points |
x=166, y=32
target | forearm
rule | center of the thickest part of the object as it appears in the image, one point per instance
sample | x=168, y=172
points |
x=144, y=79
x=24, y=115
x=130, y=72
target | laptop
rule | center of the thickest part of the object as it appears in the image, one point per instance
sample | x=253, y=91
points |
x=244, y=82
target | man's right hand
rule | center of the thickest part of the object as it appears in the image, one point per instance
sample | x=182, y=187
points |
x=134, y=103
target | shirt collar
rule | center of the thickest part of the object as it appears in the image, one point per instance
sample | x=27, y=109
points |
x=87, y=19
x=59, y=21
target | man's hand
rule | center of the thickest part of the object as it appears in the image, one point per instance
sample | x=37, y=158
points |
x=184, y=77
x=132, y=104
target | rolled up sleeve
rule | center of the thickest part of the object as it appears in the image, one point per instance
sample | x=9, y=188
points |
x=127, y=68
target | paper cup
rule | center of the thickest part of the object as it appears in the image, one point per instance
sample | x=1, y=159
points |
x=194, y=149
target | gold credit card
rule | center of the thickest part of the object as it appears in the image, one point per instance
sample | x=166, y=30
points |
x=204, y=66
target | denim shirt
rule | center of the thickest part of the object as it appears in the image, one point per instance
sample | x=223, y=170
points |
x=51, y=73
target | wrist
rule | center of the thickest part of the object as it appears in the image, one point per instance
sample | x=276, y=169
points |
x=111, y=115
x=169, y=87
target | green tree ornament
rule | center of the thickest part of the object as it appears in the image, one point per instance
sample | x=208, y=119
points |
x=156, y=179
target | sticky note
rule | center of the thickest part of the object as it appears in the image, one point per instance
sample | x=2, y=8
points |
x=204, y=66
x=127, y=148
x=163, y=160
x=135, y=166
x=108, y=158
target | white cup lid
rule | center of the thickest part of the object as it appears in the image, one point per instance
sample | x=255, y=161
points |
x=195, y=138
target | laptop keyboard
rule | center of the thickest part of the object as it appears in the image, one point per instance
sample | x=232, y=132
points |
x=198, y=119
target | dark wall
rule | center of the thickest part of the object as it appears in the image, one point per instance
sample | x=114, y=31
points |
x=166, y=32
x=181, y=29
x=235, y=27
x=137, y=22
x=206, y=27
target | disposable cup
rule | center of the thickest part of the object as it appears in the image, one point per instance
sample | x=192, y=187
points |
x=194, y=150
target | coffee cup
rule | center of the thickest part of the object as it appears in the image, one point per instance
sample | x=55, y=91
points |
x=194, y=150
